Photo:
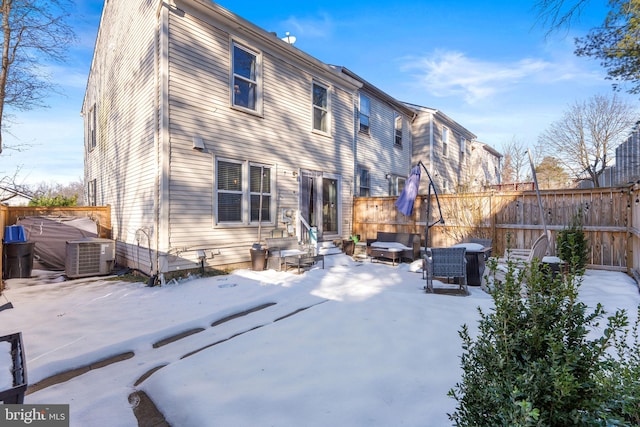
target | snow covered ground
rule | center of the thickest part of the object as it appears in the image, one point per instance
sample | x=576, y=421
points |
x=355, y=344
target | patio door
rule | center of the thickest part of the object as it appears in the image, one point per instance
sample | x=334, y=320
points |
x=320, y=202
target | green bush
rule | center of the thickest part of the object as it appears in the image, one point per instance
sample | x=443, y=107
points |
x=532, y=363
x=57, y=200
x=571, y=246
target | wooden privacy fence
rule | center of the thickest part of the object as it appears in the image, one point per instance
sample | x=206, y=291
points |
x=610, y=219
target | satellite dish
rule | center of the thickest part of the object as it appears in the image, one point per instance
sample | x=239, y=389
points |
x=289, y=38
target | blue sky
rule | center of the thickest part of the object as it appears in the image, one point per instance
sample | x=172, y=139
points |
x=484, y=64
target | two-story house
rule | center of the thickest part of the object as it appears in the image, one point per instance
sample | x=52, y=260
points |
x=384, y=146
x=206, y=133
x=444, y=147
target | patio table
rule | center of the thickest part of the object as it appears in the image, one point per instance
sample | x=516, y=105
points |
x=476, y=255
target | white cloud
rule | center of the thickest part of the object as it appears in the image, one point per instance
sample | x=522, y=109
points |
x=319, y=27
x=451, y=73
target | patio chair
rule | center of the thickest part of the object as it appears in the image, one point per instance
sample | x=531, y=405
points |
x=526, y=256
x=446, y=262
x=519, y=258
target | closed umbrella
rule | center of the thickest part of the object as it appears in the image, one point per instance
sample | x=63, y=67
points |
x=408, y=196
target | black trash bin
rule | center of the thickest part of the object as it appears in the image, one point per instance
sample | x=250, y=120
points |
x=258, y=258
x=17, y=260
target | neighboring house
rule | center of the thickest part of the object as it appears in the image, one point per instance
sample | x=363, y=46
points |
x=627, y=166
x=194, y=117
x=206, y=134
x=444, y=147
x=626, y=169
x=485, y=167
x=383, y=149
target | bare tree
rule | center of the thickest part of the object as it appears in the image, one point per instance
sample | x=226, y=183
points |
x=10, y=188
x=516, y=160
x=34, y=31
x=614, y=43
x=556, y=14
x=584, y=139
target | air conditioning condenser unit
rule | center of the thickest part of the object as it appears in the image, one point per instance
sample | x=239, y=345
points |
x=92, y=256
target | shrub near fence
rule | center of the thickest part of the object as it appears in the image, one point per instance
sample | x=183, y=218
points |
x=611, y=220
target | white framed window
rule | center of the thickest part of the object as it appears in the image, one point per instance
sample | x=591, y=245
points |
x=365, y=183
x=396, y=185
x=239, y=187
x=229, y=191
x=91, y=193
x=320, y=101
x=91, y=128
x=445, y=141
x=463, y=144
x=246, y=90
x=365, y=112
x=260, y=185
x=397, y=123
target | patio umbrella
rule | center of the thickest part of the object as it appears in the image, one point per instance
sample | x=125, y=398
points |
x=408, y=196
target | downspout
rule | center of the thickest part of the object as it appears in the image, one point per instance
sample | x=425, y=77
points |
x=160, y=135
x=431, y=141
x=354, y=149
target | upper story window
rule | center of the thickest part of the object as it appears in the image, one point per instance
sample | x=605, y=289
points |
x=365, y=185
x=463, y=145
x=445, y=141
x=320, y=108
x=398, y=130
x=365, y=112
x=91, y=131
x=246, y=90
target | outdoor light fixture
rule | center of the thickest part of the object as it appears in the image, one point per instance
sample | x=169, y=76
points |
x=388, y=176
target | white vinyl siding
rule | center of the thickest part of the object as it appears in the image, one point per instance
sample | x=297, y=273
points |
x=378, y=147
x=280, y=139
x=159, y=79
x=120, y=88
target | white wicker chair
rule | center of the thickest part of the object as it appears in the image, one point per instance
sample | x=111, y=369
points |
x=519, y=259
x=446, y=262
